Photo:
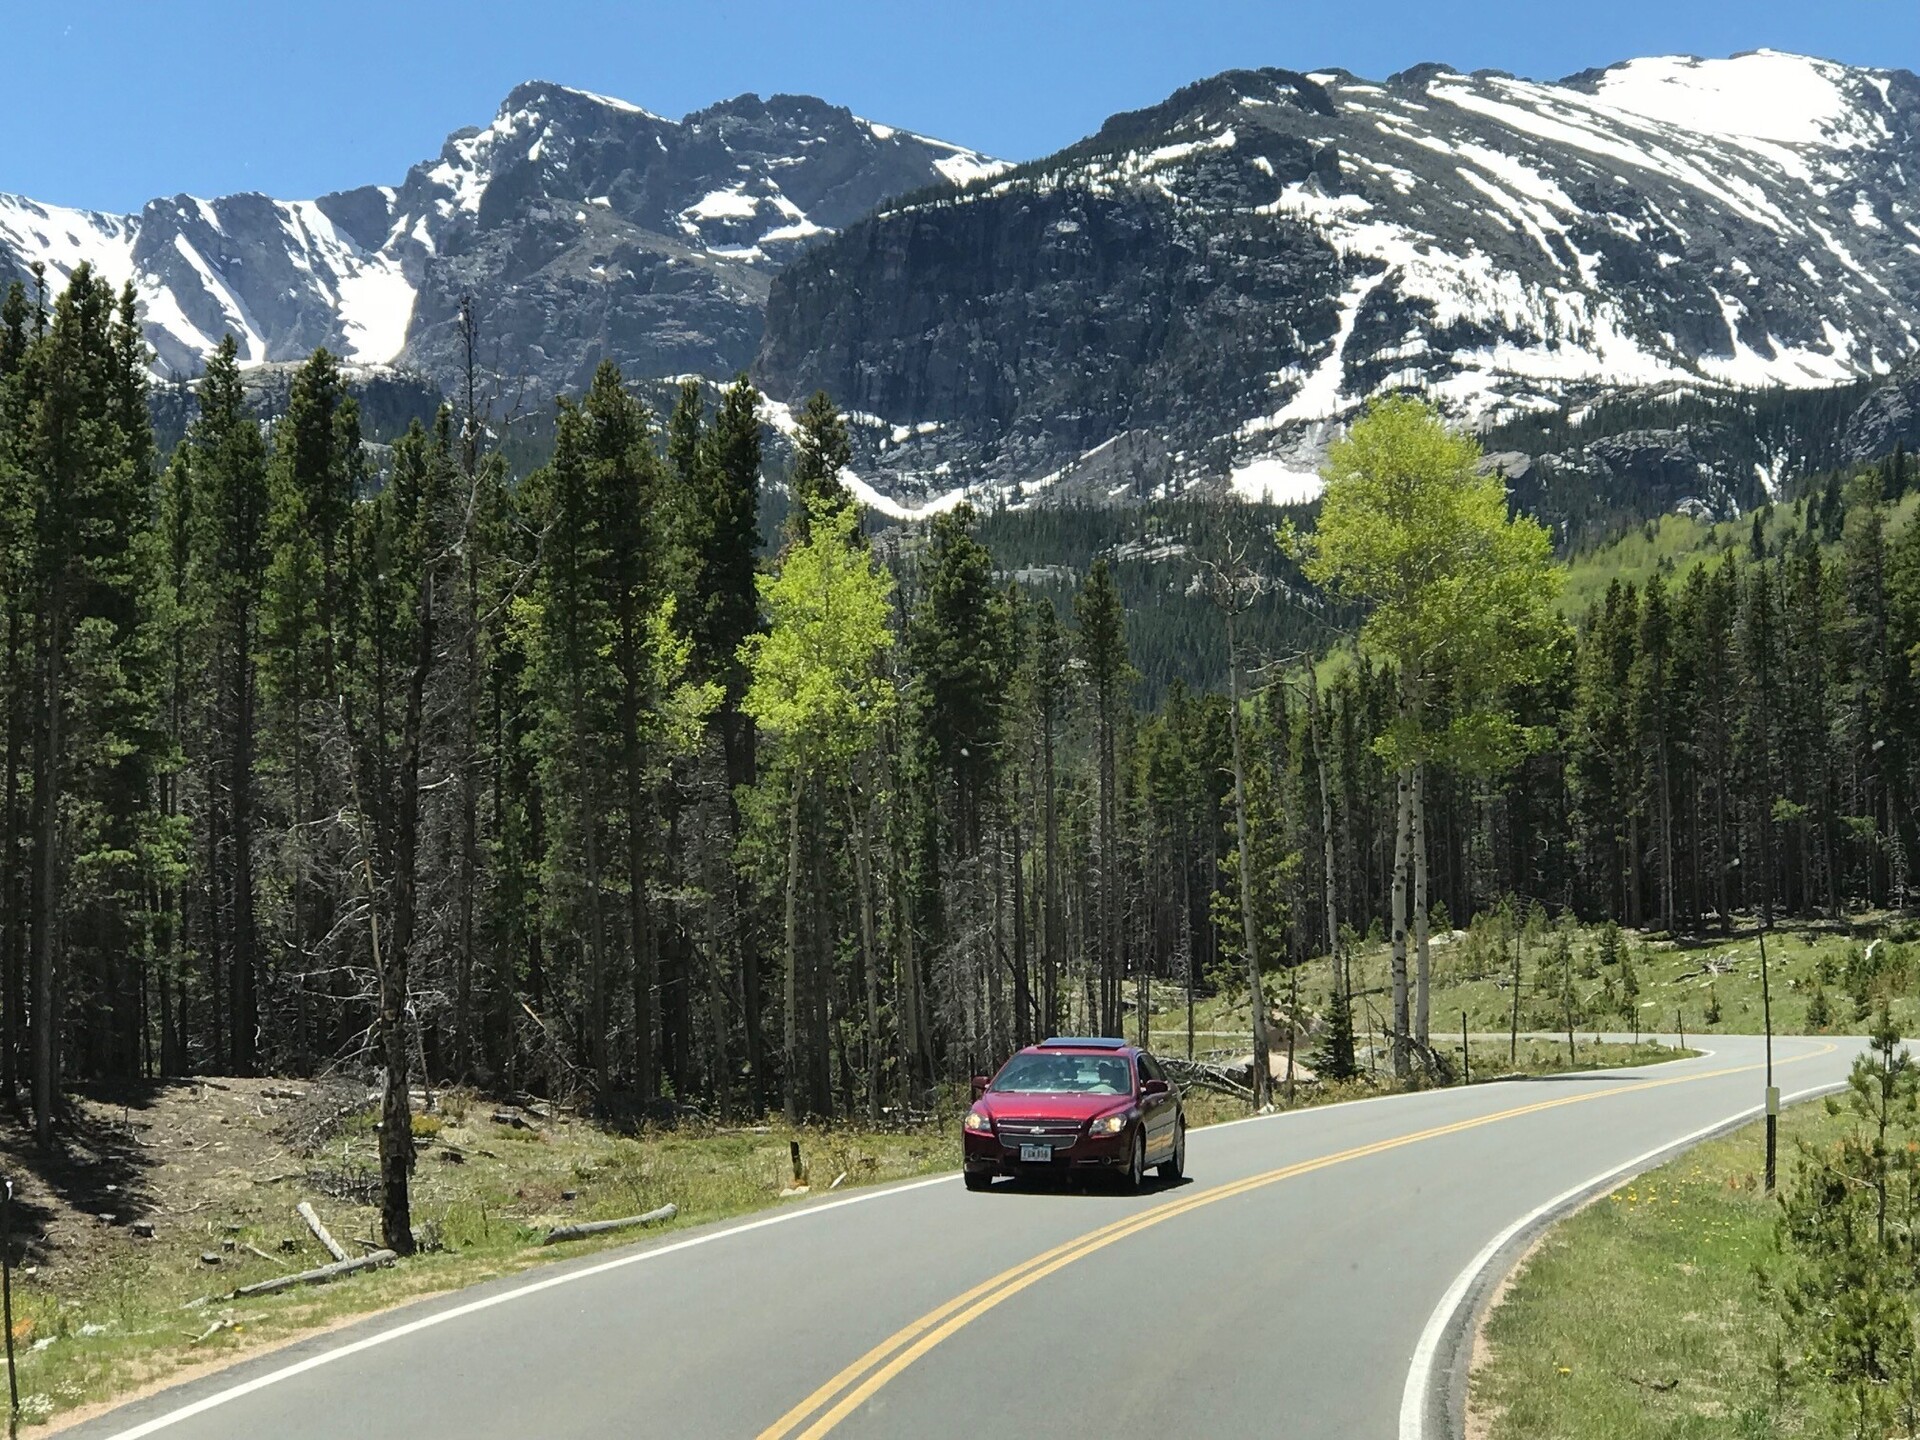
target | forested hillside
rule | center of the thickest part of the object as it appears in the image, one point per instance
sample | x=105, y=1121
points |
x=564, y=785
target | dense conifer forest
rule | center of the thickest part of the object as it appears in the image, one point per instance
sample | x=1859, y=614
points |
x=576, y=783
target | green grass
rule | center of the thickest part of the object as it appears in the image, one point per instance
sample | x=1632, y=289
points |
x=1642, y=1318
x=1680, y=983
x=1677, y=984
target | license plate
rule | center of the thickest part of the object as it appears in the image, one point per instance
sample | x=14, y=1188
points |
x=1036, y=1154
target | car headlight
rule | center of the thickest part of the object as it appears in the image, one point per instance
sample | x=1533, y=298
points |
x=1108, y=1124
x=978, y=1122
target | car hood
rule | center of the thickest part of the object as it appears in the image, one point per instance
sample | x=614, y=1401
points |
x=1018, y=1105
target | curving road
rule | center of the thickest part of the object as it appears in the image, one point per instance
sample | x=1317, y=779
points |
x=1313, y=1277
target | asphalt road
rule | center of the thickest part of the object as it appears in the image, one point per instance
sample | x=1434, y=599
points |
x=1310, y=1263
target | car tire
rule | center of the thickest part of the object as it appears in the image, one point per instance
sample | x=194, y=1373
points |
x=1175, y=1168
x=980, y=1181
x=1137, y=1164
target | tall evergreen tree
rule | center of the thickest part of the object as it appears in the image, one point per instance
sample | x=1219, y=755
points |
x=821, y=450
x=1102, y=648
x=230, y=508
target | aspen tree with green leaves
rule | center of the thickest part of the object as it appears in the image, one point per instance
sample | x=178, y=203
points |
x=1459, y=594
x=818, y=692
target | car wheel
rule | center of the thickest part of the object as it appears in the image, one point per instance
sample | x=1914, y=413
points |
x=976, y=1180
x=1175, y=1167
x=1137, y=1164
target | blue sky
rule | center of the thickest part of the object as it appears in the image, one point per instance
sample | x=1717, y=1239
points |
x=120, y=100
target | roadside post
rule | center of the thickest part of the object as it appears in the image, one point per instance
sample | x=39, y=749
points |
x=1466, y=1061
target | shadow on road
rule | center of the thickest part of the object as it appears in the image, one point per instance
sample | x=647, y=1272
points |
x=1083, y=1185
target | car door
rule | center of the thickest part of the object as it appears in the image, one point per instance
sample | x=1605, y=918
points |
x=1158, y=1111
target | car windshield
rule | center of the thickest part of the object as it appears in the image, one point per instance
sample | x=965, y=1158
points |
x=1065, y=1075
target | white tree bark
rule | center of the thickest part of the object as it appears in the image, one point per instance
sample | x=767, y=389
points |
x=1423, y=994
x=1402, y=837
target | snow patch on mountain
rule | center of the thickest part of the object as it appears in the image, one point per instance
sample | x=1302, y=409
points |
x=64, y=239
x=1276, y=480
x=1766, y=95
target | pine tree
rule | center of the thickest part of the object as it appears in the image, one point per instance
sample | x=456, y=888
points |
x=1046, y=689
x=1102, y=647
x=821, y=451
x=312, y=480
x=574, y=690
x=84, y=458
x=230, y=518
x=1847, y=1289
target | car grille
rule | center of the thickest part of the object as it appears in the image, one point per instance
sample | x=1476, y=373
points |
x=1058, y=1133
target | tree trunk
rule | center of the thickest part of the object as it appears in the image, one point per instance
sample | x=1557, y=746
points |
x=738, y=736
x=1519, y=954
x=13, y=934
x=1341, y=977
x=242, y=959
x=1402, y=842
x=1668, y=906
x=790, y=1045
x=640, y=931
x=1420, y=948
x=720, y=1071
x=1022, y=981
x=1262, y=1074
x=869, y=955
x=464, y=959
x=1053, y=941
x=588, y=819
x=396, y=1111
x=46, y=909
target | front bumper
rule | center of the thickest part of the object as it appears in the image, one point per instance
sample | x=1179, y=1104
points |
x=992, y=1155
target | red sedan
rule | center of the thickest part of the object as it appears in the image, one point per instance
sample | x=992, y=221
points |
x=1070, y=1107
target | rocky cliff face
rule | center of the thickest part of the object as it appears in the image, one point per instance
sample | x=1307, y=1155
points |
x=583, y=226
x=390, y=400
x=1238, y=268
x=1889, y=417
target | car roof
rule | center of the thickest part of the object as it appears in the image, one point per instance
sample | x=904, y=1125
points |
x=1097, y=1043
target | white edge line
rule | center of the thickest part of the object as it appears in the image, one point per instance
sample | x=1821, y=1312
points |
x=427, y=1322
x=1413, y=1399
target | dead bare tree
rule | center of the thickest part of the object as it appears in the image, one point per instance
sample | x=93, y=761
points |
x=1232, y=585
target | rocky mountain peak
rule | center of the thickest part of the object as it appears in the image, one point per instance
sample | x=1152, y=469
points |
x=584, y=225
x=1240, y=266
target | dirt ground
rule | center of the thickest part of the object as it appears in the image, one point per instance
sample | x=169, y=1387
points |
x=192, y=1159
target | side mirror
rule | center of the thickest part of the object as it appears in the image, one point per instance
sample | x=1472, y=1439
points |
x=1153, y=1087
x=980, y=1083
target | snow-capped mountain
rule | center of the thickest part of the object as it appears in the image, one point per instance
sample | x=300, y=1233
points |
x=1219, y=280
x=584, y=226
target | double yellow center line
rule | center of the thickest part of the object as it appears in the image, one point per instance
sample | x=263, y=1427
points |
x=860, y=1381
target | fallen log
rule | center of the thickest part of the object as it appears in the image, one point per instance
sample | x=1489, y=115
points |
x=601, y=1227
x=320, y=1232
x=1207, y=1077
x=316, y=1277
